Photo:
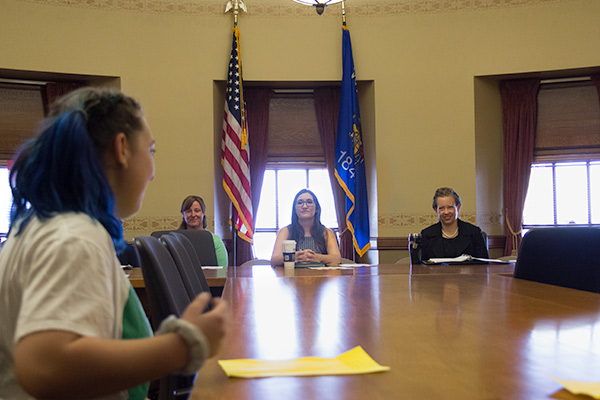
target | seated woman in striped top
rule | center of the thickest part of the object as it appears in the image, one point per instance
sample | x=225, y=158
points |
x=314, y=242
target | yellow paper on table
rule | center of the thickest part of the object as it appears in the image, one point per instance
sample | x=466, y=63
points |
x=577, y=387
x=355, y=361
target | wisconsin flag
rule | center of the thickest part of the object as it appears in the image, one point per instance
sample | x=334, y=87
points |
x=235, y=153
x=349, y=154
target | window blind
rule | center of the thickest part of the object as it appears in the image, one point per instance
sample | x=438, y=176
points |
x=568, y=126
x=21, y=109
x=293, y=130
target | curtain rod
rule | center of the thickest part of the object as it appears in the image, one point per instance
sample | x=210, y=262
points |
x=567, y=80
x=287, y=91
x=23, y=82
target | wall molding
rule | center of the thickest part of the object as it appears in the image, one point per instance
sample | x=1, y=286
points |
x=402, y=220
x=288, y=8
x=144, y=226
x=401, y=243
x=389, y=222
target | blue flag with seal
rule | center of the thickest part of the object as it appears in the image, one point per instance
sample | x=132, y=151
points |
x=349, y=154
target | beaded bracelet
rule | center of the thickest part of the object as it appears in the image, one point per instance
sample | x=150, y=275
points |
x=194, y=337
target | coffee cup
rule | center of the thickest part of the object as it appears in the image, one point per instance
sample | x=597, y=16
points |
x=289, y=253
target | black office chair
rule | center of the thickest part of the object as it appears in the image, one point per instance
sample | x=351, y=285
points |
x=485, y=240
x=256, y=261
x=187, y=262
x=201, y=240
x=129, y=256
x=167, y=294
x=568, y=257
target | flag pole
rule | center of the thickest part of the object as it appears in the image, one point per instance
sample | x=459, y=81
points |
x=350, y=162
x=236, y=11
x=234, y=233
x=235, y=5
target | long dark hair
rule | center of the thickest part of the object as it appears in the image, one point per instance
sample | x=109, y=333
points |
x=317, y=231
x=62, y=170
x=187, y=203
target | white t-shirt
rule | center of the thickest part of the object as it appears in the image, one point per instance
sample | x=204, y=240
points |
x=58, y=274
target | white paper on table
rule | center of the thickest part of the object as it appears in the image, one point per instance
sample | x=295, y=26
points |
x=341, y=266
x=464, y=258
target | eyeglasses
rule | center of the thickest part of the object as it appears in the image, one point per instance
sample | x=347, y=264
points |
x=308, y=203
x=189, y=211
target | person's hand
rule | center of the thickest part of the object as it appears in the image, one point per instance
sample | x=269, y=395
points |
x=299, y=257
x=311, y=256
x=213, y=324
x=307, y=256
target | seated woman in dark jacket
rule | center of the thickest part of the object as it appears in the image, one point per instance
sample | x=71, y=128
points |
x=451, y=237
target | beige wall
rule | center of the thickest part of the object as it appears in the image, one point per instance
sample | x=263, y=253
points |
x=419, y=66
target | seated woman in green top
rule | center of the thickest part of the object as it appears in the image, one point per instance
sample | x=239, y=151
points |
x=193, y=211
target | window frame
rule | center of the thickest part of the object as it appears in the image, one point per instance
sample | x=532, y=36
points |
x=279, y=166
x=553, y=165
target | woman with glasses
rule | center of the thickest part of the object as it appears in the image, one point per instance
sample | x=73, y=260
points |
x=193, y=212
x=314, y=242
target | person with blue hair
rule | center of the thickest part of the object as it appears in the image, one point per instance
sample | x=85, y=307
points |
x=314, y=242
x=65, y=302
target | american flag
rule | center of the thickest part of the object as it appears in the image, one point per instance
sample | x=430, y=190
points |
x=235, y=152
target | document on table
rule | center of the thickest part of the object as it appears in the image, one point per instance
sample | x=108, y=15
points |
x=211, y=267
x=576, y=387
x=465, y=258
x=354, y=361
x=342, y=266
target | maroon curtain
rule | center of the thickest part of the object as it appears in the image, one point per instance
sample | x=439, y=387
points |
x=519, y=120
x=54, y=90
x=257, y=111
x=327, y=107
x=596, y=81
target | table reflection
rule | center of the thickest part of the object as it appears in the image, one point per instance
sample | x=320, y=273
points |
x=450, y=336
x=284, y=327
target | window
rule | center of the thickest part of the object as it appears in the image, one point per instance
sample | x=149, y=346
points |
x=564, y=187
x=5, y=202
x=280, y=185
x=21, y=109
x=295, y=161
x=563, y=193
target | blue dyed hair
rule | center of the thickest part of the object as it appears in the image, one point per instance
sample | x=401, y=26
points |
x=62, y=170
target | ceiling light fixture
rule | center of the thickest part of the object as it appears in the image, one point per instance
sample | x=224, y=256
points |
x=320, y=7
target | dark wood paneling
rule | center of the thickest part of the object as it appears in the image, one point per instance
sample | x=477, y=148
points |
x=401, y=243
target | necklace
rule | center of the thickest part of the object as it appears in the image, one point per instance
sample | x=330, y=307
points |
x=450, y=235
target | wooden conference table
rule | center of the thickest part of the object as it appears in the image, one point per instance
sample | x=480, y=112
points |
x=216, y=278
x=469, y=332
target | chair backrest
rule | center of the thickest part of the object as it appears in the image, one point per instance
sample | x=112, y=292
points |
x=165, y=288
x=256, y=261
x=201, y=240
x=167, y=295
x=568, y=256
x=485, y=240
x=187, y=262
x=129, y=256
